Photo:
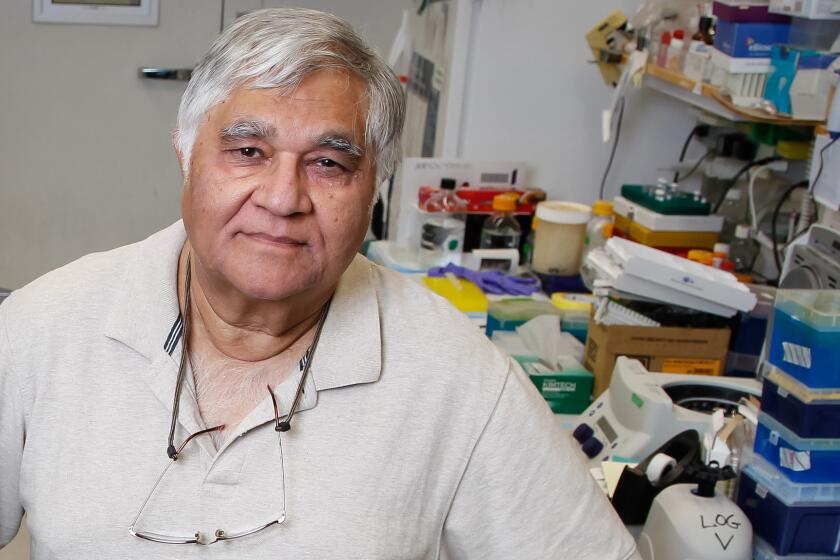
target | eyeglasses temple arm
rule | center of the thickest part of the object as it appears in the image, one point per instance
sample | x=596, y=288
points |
x=176, y=405
x=287, y=424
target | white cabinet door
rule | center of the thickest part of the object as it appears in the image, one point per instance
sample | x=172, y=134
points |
x=86, y=159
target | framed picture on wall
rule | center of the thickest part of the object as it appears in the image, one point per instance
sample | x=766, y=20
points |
x=102, y=12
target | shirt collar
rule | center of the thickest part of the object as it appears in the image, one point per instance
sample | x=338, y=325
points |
x=145, y=312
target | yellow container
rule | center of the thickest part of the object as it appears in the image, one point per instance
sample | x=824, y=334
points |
x=572, y=303
x=463, y=294
x=673, y=239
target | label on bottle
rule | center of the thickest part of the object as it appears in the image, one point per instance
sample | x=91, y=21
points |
x=442, y=234
x=493, y=240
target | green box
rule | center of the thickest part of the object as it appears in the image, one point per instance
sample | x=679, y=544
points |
x=567, y=389
x=667, y=200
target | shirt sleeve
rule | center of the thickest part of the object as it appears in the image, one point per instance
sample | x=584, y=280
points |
x=526, y=492
x=11, y=439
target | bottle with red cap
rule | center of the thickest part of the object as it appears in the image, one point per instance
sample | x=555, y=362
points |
x=675, y=51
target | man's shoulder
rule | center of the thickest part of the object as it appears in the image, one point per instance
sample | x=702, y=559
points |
x=83, y=287
x=415, y=319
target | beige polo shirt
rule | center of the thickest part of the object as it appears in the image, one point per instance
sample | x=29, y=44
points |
x=416, y=437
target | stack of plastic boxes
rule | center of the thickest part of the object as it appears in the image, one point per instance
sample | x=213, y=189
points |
x=746, y=33
x=791, y=491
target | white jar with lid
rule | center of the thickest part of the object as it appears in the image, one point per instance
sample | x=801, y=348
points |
x=558, y=241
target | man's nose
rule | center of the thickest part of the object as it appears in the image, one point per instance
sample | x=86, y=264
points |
x=283, y=191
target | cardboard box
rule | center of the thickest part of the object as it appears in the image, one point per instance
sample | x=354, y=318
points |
x=660, y=349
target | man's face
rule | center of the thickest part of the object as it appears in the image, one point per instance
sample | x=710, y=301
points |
x=278, y=196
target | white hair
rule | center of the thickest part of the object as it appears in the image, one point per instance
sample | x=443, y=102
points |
x=278, y=48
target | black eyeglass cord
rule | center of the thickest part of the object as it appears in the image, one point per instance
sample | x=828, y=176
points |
x=279, y=426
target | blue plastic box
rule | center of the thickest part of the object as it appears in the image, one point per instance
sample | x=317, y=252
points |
x=749, y=40
x=791, y=518
x=800, y=460
x=805, y=342
x=808, y=413
x=763, y=551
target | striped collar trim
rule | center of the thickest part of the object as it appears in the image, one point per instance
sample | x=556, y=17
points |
x=174, y=336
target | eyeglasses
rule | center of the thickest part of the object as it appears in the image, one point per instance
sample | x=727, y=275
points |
x=219, y=534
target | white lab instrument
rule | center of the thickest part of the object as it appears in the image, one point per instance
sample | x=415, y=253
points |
x=506, y=260
x=813, y=262
x=418, y=172
x=684, y=524
x=640, y=411
x=638, y=270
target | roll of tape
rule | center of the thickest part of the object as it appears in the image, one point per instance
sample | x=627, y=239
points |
x=659, y=465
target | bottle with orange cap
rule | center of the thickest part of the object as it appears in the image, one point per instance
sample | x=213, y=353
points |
x=500, y=229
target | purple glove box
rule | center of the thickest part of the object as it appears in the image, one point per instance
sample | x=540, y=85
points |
x=747, y=12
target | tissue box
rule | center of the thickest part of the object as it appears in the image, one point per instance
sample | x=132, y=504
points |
x=567, y=388
x=660, y=349
x=509, y=313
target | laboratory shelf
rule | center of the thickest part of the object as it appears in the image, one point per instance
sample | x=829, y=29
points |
x=709, y=98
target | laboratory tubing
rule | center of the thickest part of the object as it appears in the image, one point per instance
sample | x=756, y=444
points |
x=500, y=229
x=442, y=237
x=733, y=211
x=558, y=242
x=743, y=250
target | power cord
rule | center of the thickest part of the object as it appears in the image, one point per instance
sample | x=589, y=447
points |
x=734, y=180
x=775, y=218
x=820, y=168
x=700, y=130
x=612, y=150
x=691, y=172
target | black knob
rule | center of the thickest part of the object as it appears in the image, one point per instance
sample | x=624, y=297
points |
x=582, y=433
x=592, y=447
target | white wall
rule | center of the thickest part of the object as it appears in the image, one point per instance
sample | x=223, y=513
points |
x=85, y=155
x=86, y=162
x=532, y=95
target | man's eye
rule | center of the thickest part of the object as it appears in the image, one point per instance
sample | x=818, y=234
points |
x=328, y=163
x=248, y=152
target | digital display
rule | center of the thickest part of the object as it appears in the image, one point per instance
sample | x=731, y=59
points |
x=605, y=426
x=494, y=264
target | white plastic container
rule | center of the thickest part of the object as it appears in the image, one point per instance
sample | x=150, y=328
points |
x=558, y=243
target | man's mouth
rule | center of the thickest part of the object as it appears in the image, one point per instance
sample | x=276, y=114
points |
x=275, y=240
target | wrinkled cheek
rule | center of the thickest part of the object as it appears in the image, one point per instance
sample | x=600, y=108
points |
x=348, y=229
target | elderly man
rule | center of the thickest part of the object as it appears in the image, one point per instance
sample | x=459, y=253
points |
x=243, y=378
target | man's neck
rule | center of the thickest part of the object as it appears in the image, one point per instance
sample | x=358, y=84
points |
x=225, y=321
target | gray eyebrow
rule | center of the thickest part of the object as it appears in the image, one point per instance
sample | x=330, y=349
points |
x=247, y=129
x=342, y=144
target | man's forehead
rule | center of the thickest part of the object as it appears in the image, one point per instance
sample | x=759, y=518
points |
x=320, y=108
